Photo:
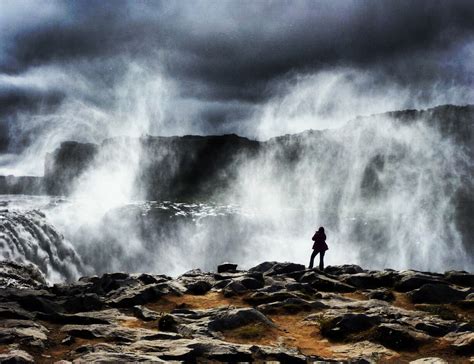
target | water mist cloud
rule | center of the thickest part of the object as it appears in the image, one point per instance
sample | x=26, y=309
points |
x=225, y=69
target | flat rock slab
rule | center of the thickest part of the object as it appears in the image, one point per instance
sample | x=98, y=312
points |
x=364, y=350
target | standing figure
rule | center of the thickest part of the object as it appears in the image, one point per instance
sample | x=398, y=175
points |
x=320, y=247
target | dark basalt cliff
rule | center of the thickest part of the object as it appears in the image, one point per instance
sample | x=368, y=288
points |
x=279, y=312
x=196, y=166
x=169, y=167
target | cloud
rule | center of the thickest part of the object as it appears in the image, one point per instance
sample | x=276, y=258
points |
x=226, y=60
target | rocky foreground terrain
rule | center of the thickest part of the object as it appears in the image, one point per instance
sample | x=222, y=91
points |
x=273, y=312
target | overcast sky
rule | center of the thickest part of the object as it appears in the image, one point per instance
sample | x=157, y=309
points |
x=222, y=66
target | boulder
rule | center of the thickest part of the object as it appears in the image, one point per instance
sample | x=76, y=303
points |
x=234, y=318
x=138, y=295
x=363, y=281
x=150, y=279
x=343, y=269
x=414, y=280
x=460, y=278
x=437, y=293
x=16, y=357
x=226, y=267
x=145, y=314
x=398, y=337
x=364, y=352
x=251, y=283
x=436, y=329
x=199, y=287
x=325, y=284
x=275, y=268
x=463, y=343
x=263, y=267
x=234, y=288
x=221, y=284
x=341, y=327
x=382, y=295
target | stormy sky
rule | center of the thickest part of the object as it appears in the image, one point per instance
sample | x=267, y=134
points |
x=93, y=69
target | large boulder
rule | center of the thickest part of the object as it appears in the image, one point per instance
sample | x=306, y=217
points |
x=226, y=267
x=274, y=268
x=325, y=284
x=460, y=278
x=343, y=269
x=234, y=288
x=414, y=280
x=199, y=287
x=341, y=327
x=234, y=318
x=136, y=295
x=462, y=343
x=437, y=293
x=398, y=337
x=363, y=281
x=382, y=295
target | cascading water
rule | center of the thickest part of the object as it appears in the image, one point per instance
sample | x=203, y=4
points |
x=385, y=190
x=26, y=237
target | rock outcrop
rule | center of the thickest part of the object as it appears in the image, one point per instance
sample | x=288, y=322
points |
x=272, y=312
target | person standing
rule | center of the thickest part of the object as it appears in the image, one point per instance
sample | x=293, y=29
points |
x=319, y=246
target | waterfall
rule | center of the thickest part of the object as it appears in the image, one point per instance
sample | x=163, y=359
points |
x=27, y=237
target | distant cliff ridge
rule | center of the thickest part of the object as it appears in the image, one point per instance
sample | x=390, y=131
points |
x=191, y=166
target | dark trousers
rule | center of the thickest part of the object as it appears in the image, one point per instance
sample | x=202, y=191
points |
x=321, y=259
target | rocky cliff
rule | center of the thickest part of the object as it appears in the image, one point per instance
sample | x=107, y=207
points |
x=272, y=312
x=193, y=166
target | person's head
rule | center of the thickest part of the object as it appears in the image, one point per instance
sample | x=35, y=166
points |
x=321, y=229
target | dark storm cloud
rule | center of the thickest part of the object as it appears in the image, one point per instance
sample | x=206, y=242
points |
x=234, y=51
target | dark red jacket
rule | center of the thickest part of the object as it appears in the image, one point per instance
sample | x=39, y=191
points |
x=319, y=239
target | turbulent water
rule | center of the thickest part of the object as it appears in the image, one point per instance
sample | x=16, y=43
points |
x=147, y=236
x=26, y=236
x=55, y=235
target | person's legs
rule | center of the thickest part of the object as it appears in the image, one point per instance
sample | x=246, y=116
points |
x=321, y=260
x=311, y=262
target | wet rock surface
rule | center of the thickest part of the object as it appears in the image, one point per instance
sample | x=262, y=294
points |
x=273, y=312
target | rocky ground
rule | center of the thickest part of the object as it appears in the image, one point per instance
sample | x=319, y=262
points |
x=273, y=312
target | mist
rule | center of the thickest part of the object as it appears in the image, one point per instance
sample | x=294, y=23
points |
x=384, y=190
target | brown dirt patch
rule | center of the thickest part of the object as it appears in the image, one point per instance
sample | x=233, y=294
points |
x=402, y=301
x=355, y=296
x=291, y=331
x=207, y=301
